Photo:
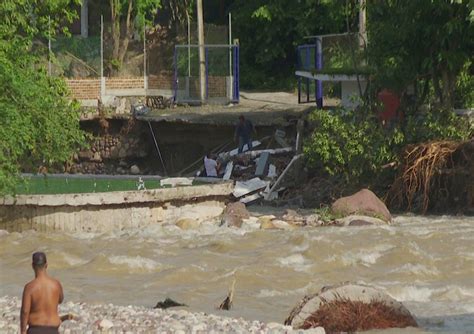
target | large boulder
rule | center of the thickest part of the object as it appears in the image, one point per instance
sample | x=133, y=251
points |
x=234, y=214
x=350, y=307
x=364, y=202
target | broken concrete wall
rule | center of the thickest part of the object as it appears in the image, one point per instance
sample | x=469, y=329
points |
x=99, y=212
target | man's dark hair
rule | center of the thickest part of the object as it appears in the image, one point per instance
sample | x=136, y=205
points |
x=241, y=117
x=39, y=260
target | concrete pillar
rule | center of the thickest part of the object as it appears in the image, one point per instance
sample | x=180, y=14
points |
x=85, y=19
x=202, y=61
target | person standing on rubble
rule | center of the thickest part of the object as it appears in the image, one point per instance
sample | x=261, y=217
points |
x=243, y=132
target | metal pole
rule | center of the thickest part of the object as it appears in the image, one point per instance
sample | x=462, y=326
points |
x=202, y=65
x=189, y=44
x=49, y=45
x=85, y=19
x=175, y=81
x=102, y=79
x=101, y=46
x=145, y=76
x=157, y=148
x=231, y=88
x=319, y=66
x=206, y=57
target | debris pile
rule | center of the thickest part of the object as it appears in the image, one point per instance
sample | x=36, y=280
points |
x=259, y=174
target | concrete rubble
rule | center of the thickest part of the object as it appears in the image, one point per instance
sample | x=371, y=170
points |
x=258, y=173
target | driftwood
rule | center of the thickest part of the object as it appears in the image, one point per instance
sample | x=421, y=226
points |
x=227, y=303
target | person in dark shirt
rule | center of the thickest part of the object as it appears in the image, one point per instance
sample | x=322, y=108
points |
x=243, y=132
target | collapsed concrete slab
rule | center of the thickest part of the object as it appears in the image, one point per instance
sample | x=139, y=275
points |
x=99, y=212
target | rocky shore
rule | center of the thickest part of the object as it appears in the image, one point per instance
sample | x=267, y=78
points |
x=110, y=318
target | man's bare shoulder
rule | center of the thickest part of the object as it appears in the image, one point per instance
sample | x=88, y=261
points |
x=30, y=285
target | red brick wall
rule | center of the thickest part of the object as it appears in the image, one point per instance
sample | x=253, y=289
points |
x=84, y=89
x=124, y=83
x=89, y=89
x=161, y=81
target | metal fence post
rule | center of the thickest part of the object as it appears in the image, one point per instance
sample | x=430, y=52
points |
x=319, y=66
x=206, y=62
x=237, y=74
x=145, y=68
x=175, y=81
x=231, y=81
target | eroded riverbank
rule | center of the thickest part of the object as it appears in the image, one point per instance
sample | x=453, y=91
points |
x=427, y=263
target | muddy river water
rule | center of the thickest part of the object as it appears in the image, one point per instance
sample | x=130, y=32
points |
x=425, y=262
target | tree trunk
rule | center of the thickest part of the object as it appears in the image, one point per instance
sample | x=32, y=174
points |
x=128, y=34
x=120, y=45
x=448, y=83
x=115, y=20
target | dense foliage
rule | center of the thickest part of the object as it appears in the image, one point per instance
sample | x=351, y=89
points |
x=128, y=16
x=422, y=50
x=269, y=32
x=344, y=143
x=39, y=124
x=347, y=145
x=425, y=45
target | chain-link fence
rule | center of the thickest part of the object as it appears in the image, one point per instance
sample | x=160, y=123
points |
x=220, y=83
x=75, y=57
x=143, y=62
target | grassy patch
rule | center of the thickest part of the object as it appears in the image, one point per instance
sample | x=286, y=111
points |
x=326, y=215
x=71, y=185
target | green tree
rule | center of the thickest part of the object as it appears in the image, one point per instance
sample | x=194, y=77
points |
x=126, y=15
x=39, y=123
x=269, y=32
x=423, y=44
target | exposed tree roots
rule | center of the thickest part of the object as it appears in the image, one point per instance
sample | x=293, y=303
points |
x=421, y=175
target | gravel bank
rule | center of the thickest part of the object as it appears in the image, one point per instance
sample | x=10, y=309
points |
x=133, y=319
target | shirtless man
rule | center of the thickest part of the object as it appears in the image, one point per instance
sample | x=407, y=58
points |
x=41, y=297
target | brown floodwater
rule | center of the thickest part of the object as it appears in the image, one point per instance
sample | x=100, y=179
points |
x=425, y=262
